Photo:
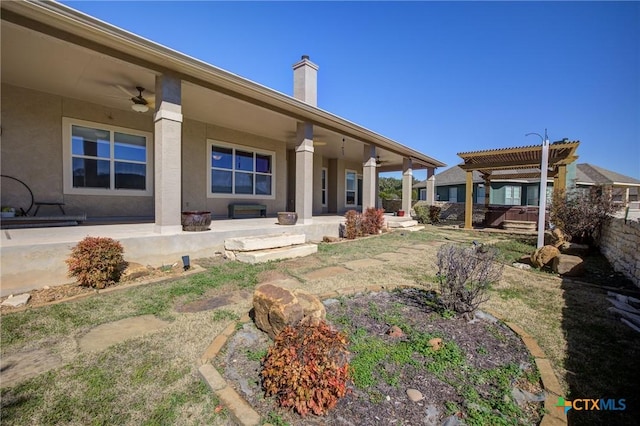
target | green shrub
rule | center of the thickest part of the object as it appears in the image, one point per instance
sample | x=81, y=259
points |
x=422, y=213
x=96, y=262
x=465, y=275
x=427, y=214
x=306, y=368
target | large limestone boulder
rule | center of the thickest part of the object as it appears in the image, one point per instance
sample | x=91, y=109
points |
x=543, y=256
x=276, y=307
x=568, y=265
x=574, y=249
x=554, y=238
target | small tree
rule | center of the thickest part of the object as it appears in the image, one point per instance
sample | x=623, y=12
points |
x=465, y=274
x=581, y=212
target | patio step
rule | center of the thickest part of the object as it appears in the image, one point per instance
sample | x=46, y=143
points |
x=265, y=255
x=263, y=242
x=406, y=223
x=519, y=225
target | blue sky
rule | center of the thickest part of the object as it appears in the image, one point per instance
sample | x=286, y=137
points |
x=440, y=77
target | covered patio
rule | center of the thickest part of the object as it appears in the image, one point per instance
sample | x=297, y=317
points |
x=522, y=162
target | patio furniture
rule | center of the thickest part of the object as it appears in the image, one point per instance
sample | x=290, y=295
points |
x=235, y=208
x=38, y=204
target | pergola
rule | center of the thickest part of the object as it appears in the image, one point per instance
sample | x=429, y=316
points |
x=515, y=163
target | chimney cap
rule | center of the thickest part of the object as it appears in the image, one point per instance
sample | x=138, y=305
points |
x=305, y=57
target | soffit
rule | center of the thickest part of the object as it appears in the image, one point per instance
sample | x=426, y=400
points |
x=67, y=24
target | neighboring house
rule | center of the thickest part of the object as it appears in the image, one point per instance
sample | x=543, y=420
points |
x=450, y=186
x=76, y=128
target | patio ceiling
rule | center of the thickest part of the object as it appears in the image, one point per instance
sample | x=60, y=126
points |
x=519, y=162
x=71, y=56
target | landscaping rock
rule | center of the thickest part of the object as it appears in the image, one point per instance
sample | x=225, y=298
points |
x=15, y=301
x=415, y=395
x=451, y=421
x=276, y=307
x=554, y=238
x=567, y=265
x=395, y=331
x=330, y=239
x=525, y=259
x=135, y=270
x=436, y=343
x=543, y=256
x=521, y=266
x=432, y=415
x=574, y=249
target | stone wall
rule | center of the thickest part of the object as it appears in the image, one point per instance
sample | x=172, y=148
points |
x=619, y=243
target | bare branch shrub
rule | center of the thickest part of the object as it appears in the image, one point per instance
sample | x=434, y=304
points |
x=465, y=274
x=581, y=212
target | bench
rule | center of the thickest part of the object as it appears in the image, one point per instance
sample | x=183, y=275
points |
x=39, y=204
x=234, y=208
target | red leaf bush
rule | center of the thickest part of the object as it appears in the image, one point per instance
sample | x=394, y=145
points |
x=96, y=262
x=307, y=368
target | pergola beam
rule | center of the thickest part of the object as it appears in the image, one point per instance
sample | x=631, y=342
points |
x=525, y=157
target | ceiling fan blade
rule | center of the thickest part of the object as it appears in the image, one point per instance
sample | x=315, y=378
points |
x=129, y=94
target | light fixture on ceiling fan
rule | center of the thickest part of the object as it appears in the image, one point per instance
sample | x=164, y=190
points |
x=140, y=104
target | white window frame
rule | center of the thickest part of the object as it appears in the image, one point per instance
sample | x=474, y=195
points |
x=67, y=162
x=512, y=197
x=422, y=196
x=245, y=148
x=481, y=192
x=324, y=175
x=453, y=190
x=355, y=190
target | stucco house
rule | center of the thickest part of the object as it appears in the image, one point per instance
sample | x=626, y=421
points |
x=122, y=129
x=212, y=137
x=450, y=186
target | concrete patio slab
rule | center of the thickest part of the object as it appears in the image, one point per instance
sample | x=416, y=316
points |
x=394, y=257
x=24, y=365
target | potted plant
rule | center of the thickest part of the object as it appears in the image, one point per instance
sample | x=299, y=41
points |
x=7, y=211
x=196, y=220
x=287, y=218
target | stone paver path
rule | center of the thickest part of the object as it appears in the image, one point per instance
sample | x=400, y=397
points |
x=111, y=333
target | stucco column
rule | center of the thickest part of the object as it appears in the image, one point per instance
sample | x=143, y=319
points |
x=369, y=169
x=468, y=202
x=431, y=191
x=167, y=153
x=407, y=183
x=626, y=197
x=431, y=187
x=304, y=173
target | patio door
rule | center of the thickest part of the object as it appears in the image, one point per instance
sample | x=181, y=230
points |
x=359, y=192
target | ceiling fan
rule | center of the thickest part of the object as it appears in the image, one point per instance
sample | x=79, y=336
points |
x=140, y=104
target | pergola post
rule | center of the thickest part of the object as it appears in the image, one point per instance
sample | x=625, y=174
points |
x=468, y=203
x=562, y=177
x=487, y=192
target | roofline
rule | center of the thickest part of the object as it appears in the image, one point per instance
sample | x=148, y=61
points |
x=63, y=20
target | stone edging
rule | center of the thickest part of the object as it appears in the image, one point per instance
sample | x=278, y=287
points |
x=245, y=415
x=125, y=285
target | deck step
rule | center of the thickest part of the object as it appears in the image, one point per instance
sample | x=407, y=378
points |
x=519, y=224
x=260, y=256
x=263, y=242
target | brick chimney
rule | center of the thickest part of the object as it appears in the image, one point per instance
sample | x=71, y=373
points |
x=305, y=81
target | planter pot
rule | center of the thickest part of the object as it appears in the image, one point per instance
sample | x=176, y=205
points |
x=196, y=221
x=400, y=213
x=7, y=214
x=287, y=218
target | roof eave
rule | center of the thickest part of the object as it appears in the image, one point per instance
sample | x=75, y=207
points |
x=161, y=59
